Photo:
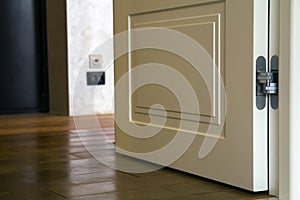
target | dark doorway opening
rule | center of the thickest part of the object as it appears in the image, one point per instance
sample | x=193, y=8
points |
x=23, y=57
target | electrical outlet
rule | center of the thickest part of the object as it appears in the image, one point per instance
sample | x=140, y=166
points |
x=95, y=78
x=95, y=61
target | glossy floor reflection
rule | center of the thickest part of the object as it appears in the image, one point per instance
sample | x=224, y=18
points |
x=42, y=157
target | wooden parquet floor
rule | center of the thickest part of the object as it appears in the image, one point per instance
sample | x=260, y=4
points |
x=43, y=157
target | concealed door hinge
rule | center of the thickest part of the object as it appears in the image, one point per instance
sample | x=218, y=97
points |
x=266, y=82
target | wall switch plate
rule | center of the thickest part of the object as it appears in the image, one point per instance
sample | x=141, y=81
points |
x=95, y=78
x=95, y=61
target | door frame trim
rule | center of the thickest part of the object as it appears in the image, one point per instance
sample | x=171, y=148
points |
x=289, y=110
x=274, y=13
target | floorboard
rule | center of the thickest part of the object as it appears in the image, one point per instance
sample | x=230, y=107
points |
x=44, y=158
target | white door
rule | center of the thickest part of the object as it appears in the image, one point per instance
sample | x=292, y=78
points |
x=186, y=91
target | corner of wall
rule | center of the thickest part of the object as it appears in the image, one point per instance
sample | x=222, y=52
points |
x=57, y=57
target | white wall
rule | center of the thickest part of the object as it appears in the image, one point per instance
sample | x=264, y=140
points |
x=90, y=23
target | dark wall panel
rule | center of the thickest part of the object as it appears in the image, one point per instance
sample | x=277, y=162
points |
x=22, y=57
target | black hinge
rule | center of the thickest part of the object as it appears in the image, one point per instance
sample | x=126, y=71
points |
x=266, y=82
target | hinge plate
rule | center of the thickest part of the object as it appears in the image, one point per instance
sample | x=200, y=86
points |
x=266, y=82
x=274, y=68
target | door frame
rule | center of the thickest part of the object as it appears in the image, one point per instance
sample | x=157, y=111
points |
x=57, y=57
x=289, y=113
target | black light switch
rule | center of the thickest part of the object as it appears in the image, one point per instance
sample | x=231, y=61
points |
x=95, y=78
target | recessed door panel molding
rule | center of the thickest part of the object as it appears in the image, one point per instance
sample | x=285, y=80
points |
x=205, y=26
